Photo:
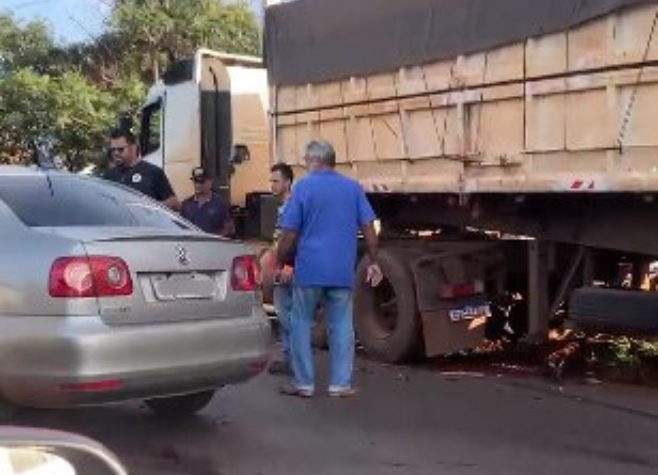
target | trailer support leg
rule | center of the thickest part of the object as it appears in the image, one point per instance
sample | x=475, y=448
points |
x=640, y=273
x=538, y=290
x=588, y=268
x=567, y=281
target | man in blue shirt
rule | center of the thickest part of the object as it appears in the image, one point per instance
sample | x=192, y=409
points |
x=205, y=209
x=281, y=179
x=323, y=218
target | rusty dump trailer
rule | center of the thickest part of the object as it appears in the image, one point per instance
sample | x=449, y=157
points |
x=510, y=148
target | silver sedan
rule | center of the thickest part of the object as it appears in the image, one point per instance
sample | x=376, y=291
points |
x=106, y=296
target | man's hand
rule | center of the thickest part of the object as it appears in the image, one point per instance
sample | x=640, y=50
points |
x=172, y=203
x=374, y=275
x=284, y=276
x=285, y=247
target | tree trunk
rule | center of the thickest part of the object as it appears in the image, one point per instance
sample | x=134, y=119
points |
x=155, y=67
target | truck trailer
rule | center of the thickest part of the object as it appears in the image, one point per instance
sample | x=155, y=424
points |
x=509, y=149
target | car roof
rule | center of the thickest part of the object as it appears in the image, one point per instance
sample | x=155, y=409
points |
x=21, y=170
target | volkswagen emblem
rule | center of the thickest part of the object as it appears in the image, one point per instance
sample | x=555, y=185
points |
x=182, y=255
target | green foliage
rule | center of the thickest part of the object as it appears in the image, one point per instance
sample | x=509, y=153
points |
x=66, y=111
x=626, y=351
x=158, y=32
x=68, y=96
x=27, y=45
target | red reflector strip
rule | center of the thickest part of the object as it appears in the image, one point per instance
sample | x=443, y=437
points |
x=461, y=290
x=93, y=387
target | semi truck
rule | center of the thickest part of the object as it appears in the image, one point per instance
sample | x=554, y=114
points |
x=509, y=149
x=210, y=110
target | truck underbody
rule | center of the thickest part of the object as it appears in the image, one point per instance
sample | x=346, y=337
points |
x=543, y=261
x=509, y=151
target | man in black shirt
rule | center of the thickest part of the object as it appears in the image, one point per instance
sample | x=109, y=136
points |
x=129, y=169
x=205, y=209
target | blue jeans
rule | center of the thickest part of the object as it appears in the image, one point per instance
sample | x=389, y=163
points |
x=338, y=312
x=283, y=307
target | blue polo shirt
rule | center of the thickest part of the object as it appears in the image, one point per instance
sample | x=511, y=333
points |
x=327, y=210
x=209, y=216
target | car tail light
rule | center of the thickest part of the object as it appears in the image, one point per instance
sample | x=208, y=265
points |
x=245, y=274
x=93, y=276
x=461, y=290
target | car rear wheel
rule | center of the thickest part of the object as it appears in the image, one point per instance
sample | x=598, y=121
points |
x=180, y=406
x=7, y=411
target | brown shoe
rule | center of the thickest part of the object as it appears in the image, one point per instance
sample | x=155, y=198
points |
x=292, y=390
x=343, y=392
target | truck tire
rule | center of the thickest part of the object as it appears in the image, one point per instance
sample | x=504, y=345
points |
x=387, y=321
x=180, y=406
x=615, y=311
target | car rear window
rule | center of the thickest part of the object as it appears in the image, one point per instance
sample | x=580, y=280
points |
x=70, y=200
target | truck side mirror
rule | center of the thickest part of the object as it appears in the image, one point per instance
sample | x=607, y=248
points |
x=240, y=154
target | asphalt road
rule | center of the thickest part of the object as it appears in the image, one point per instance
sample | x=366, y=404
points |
x=403, y=421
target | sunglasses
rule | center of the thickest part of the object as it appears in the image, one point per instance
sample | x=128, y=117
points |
x=114, y=150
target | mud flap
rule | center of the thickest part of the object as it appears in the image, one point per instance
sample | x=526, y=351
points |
x=454, y=324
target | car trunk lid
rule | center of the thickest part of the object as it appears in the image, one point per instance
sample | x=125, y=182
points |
x=176, y=276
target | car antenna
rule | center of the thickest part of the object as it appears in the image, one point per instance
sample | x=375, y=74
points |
x=40, y=156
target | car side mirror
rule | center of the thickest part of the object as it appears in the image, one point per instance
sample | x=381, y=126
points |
x=240, y=154
x=24, y=450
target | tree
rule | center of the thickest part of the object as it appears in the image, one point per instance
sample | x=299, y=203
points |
x=24, y=46
x=69, y=96
x=101, y=60
x=66, y=112
x=161, y=31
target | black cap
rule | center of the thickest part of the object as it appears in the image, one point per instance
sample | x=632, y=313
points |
x=199, y=174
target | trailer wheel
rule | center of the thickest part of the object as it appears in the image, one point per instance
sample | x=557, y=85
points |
x=615, y=311
x=386, y=317
x=7, y=411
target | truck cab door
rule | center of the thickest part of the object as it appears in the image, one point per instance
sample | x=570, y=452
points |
x=216, y=124
x=186, y=123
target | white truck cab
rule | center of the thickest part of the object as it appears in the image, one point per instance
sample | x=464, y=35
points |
x=210, y=111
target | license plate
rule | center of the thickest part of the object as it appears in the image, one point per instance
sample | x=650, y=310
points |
x=188, y=286
x=469, y=312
